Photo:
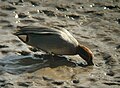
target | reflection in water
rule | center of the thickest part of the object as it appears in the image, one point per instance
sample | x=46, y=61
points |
x=18, y=64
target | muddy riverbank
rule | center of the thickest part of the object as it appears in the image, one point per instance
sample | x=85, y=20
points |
x=94, y=23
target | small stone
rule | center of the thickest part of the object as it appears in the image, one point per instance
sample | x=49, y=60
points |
x=111, y=83
x=73, y=16
x=61, y=8
x=106, y=56
x=76, y=81
x=2, y=80
x=8, y=7
x=27, y=21
x=4, y=21
x=57, y=83
x=49, y=13
x=35, y=3
x=118, y=47
x=118, y=20
x=24, y=53
x=110, y=73
x=22, y=15
x=3, y=14
x=3, y=46
x=92, y=79
x=47, y=79
x=39, y=18
x=33, y=49
x=25, y=84
x=21, y=1
x=4, y=51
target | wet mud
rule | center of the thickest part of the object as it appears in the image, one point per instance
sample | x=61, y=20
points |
x=94, y=23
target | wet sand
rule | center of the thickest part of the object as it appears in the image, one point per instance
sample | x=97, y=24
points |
x=96, y=24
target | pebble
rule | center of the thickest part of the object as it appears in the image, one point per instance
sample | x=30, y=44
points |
x=24, y=53
x=110, y=73
x=47, y=79
x=49, y=13
x=118, y=20
x=3, y=46
x=35, y=3
x=22, y=15
x=61, y=8
x=8, y=7
x=106, y=56
x=24, y=84
x=118, y=47
x=27, y=21
x=73, y=16
x=58, y=83
x=111, y=83
x=76, y=81
x=3, y=14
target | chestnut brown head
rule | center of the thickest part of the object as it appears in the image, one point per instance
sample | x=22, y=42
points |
x=86, y=54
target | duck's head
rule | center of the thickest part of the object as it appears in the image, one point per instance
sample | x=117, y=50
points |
x=86, y=54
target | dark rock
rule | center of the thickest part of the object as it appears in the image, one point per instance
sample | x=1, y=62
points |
x=8, y=26
x=35, y=3
x=15, y=41
x=106, y=39
x=73, y=16
x=61, y=8
x=38, y=55
x=99, y=14
x=33, y=49
x=39, y=18
x=21, y=1
x=76, y=81
x=66, y=87
x=4, y=51
x=3, y=46
x=57, y=83
x=3, y=14
x=92, y=79
x=47, y=79
x=24, y=84
x=118, y=20
x=106, y=56
x=110, y=73
x=111, y=7
x=90, y=11
x=4, y=21
x=8, y=7
x=22, y=15
x=2, y=80
x=49, y=13
x=24, y=53
x=109, y=60
x=118, y=47
x=118, y=77
x=111, y=83
x=6, y=85
x=27, y=21
x=81, y=87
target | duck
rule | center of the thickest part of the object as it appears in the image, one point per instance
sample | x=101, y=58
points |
x=54, y=40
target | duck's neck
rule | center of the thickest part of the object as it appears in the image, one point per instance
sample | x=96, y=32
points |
x=85, y=53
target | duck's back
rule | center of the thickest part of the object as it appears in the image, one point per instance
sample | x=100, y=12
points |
x=51, y=40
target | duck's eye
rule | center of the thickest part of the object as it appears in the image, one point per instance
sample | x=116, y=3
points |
x=24, y=38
